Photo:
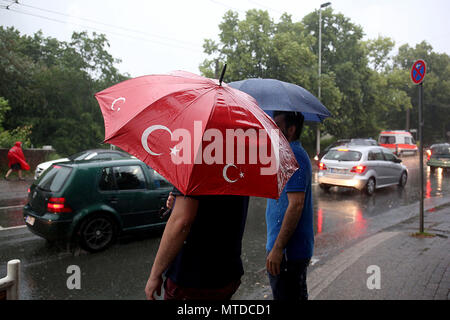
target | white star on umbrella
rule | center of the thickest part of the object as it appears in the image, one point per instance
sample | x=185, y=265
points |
x=174, y=150
x=241, y=174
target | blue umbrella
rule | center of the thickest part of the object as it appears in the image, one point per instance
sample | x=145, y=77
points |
x=276, y=95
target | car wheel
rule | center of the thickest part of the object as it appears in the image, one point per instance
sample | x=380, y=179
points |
x=97, y=232
x=325, y=187
x=370, y=187
x=403, y=179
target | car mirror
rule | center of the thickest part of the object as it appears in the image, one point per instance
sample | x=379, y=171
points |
x=397, y=160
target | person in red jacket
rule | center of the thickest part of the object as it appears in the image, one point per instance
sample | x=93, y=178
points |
x=16, y=160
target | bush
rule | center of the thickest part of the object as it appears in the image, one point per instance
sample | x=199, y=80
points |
x=9, y=137
x=53, y=156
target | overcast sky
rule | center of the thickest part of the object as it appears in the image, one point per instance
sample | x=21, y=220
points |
x=158, y=36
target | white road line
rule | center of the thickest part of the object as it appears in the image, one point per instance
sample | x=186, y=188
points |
x=323, y=276
x=12, y=207
x=10, y=228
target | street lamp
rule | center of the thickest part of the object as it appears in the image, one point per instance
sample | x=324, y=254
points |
x=323, y=5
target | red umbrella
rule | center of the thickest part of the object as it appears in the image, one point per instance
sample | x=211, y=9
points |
x=204, y=137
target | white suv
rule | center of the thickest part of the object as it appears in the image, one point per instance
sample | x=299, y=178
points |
x=93, y=154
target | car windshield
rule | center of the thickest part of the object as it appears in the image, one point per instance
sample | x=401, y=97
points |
x=54, y=178
x=343, y=155
x=387, y=140
x=441, y=150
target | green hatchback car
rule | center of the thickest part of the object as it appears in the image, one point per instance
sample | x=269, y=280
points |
x=92, y=202
x=439, y=156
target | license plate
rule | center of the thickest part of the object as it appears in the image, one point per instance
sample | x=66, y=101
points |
x=340, y=171
x=30, y=220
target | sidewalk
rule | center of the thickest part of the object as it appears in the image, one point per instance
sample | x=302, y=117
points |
x=410, y=267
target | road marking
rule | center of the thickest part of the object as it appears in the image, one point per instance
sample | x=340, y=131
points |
x=12, y=207
x=10, y=228
x=322, y=277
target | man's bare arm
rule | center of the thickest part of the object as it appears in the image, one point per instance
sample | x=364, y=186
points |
x=175, y=233
x=288, y=226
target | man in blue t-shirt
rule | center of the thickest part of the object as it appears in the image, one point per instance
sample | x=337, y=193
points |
x=290, y=234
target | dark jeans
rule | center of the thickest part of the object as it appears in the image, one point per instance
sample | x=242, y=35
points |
x=290, y=284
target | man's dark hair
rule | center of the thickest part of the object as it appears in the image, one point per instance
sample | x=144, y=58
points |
x=292, y=119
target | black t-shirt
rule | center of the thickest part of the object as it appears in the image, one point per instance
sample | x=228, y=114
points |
x=211, y=254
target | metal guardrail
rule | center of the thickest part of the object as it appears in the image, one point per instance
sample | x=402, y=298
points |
x=9, y=285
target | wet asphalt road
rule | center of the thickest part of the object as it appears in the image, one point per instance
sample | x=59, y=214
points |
x=340, y=216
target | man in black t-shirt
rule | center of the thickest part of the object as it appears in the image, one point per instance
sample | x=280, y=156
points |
x=200, y=249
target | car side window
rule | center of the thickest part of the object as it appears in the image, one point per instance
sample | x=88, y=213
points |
x=408, y=140
x=107, y=180
x=387, y=140
x=375, y=155
x=160, y=181
x=388, y=156
x=378, y=155
x=129, y=177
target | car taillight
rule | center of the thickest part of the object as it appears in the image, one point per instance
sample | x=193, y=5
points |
x=322, y=166
x=57, y=205
x=358, y=169
x=428, y=154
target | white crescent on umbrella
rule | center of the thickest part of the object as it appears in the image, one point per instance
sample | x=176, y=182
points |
x=114, y=102
x=224, y=172
x=148, y=132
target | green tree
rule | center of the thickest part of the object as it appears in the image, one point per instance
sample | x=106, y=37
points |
x=366, y=92
x=436, y=108
x=50, y=86
x=8, y=138
x=378, y=51
x=4, y=107
x=257, y=47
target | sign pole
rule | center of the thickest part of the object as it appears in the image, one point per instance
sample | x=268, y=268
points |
x=421, y=155
x=418, y=72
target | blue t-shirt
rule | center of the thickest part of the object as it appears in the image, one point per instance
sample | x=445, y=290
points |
x=301, y=244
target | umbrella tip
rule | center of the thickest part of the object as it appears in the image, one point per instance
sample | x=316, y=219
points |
x=222, y=74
